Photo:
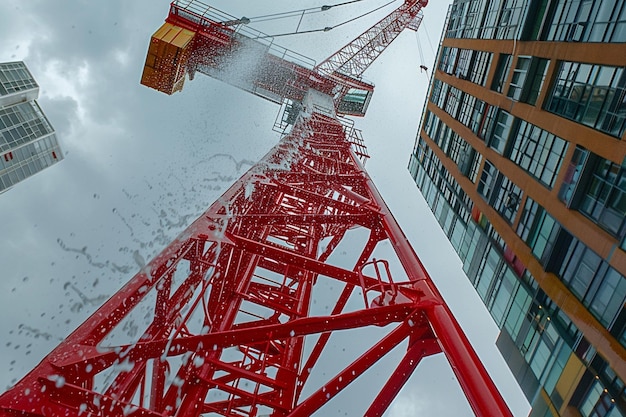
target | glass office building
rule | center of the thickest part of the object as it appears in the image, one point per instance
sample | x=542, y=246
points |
x=28, y=143
x=521, y=157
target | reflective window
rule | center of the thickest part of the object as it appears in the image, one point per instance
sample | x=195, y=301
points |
x=479, y=68
x=452, y=101
x=20, y=124
x=458, y=18
x=530, y=213
x=436, y=91
x=598, y=402
x=591, y=399
x=14, y=76
x=542, y=231
x=489, y=270
x=501, y=132
x=487, y=121
x=507, y=199
x=500, y=192
x=518, y=312
x=572, y=176
x=519, y=77
x=604, y=198
x=538, y=152
x=586, y=21
x=476, y=160
x=447, y=59
x=502, y=296
x=579, y=268
x=487, y=180
x=481, y=19
x=593, y=95
x=606, y=301
x=466, y=111
x=502, y=70
x=536, y=78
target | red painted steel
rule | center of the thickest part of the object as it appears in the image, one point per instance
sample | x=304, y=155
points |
x=242, y=307
x=234, y=324
x=354, y=58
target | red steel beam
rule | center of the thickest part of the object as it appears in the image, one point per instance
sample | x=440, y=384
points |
x=233, y=301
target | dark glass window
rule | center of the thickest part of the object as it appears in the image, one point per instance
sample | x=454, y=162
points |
x=569, y=19
x=573, y=174
x=593, y=95
x=507, y=199
x=519, y=77
x=15, y=77
x=453, y=100
x=586, y=21
x=463, y=63
x=501, y=132
x=457, y=19
x=604, y=199
x=447, y=60
x=467, y=109
x=500, y=192
x=527, y=220
x=538, y=152
x=479, y=68
x=534, y=82
x=477, y=116
x=606, y=301
x=502, y=70
x=487, y=180
x=477, y=159
x=466, y=64
x=579, y=268
x=486, y=123
x=543, y=235
x=436, y=91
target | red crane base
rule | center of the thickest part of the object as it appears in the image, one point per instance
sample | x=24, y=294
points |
x=233, y=323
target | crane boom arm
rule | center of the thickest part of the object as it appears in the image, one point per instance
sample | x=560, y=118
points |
x=354, y=58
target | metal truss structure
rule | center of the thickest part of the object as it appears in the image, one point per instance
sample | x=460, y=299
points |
x=354, y=58
x=233, y=323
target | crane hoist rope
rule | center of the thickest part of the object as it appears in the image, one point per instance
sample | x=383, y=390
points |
x=430, y=42
x=328, y=28
x=310, y=10
x=423, y=66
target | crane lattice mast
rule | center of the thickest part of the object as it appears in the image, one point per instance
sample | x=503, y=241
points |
x=235, y=325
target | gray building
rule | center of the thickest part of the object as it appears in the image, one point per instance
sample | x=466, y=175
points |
x=521, y=156
x=28, y=143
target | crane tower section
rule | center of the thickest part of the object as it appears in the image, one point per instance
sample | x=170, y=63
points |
x=246, y=313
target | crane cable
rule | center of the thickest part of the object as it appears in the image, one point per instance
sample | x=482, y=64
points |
x=423, y=66
x=329, y=28
x=310, y=10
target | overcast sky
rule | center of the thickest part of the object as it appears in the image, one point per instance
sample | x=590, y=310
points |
x=139, y=166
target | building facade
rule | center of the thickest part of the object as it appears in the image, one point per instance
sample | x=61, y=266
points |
x=28, y=143
x=521, y=157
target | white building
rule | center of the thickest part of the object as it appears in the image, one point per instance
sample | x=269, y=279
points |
x=27, y=140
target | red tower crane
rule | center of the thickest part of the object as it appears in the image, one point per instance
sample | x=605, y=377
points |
x=233, y=327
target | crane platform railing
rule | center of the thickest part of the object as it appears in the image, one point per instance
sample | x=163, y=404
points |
x=183, y=12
